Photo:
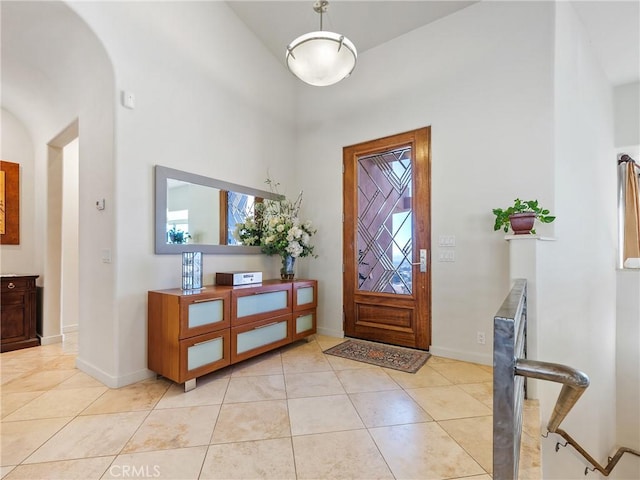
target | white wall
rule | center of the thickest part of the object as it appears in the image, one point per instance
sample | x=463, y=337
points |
x=70, y=281
x=17, y=147
x=54, y=72
x=210, y=100
x=628, y=370
x=627, y=114
x=482, y=79
x=576, y=288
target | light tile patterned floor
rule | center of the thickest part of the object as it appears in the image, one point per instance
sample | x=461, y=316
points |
x=295, y=413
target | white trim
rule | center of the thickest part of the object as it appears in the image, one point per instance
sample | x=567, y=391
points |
x=70, y=328
x=481, y=358
x=50, y=340
x=111, y=381
x=529, y=237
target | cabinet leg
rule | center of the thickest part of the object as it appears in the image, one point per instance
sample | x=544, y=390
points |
x=189, y=385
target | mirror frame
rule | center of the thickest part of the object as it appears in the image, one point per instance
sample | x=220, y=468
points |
x=161, y=247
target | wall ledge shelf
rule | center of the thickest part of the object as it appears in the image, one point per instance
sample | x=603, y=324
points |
x=529, y=237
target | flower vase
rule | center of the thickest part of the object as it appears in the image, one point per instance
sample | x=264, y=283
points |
x=287, y=272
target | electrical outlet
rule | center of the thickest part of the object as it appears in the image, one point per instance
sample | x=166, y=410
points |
x=480, y=338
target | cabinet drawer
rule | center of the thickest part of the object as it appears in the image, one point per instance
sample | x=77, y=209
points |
x=303, y=324
x=305, y=295
x=204, y=354
x=256, y=338
x=203, y=315
x=249, y=306
x=17, y=284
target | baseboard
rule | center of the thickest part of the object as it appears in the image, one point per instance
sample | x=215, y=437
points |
x=109, y=380
x=481, y=358
x=50, y=340
x=70, y=328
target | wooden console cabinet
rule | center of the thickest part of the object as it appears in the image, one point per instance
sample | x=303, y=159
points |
x=18, y=312
x=192, y=333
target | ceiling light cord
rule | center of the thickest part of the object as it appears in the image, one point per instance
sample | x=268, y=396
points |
x=320, y=6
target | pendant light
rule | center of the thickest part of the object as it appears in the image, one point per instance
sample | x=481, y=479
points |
x=321, y=58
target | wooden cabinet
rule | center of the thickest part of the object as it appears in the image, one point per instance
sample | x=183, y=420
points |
x=191, y=334
x=18, y=312
x=188, y=333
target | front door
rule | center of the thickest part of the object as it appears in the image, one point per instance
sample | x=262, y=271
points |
x=386, y=235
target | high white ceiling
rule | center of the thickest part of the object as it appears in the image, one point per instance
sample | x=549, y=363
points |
x=612, y=26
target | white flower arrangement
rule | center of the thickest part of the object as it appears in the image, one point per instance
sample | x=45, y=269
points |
x=276, y=228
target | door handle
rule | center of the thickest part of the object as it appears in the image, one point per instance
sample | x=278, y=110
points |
x=423, y=260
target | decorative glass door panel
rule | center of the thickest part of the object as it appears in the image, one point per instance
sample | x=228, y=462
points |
x=384, y=225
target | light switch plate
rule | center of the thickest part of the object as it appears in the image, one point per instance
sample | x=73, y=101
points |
x=447, y=240
x=447, y=256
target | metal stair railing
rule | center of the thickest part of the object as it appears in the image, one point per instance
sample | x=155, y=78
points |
x=510, y=368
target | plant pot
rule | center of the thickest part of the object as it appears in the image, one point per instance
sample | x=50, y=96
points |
x=522, y=223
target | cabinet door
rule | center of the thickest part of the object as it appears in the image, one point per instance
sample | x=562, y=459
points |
x=204, y=354
x=13, y=326
x=204, y=315
x=259, y=303
x=303, y=324
x=305, y=294
x=256, y=338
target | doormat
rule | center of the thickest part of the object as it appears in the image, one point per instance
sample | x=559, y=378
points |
x=388, y=356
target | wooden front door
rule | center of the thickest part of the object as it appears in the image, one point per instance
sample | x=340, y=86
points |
x=386, y=238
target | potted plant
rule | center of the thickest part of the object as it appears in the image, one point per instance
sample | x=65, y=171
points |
x=178, y=236
x=521, y=217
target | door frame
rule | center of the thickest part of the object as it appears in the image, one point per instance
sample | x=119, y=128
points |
x=420, y=298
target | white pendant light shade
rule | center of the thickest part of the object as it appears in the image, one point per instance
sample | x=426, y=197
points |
x=321, y=58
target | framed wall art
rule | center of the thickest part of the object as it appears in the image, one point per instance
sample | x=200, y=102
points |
x=9, y=203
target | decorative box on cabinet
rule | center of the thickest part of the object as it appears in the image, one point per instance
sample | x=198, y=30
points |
x=18, y=312
x=192, y=334
x=188, y=333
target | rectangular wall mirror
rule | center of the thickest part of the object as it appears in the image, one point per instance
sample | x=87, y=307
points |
x=194, y=213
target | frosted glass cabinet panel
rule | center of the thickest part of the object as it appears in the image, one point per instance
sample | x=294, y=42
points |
x=304, y=296
x=204, y=353
x=203, y=312
x=261, y=336
x=206, y=313
x=255, y=338
x=254, y=304
x=304, y=323
x=262, y=303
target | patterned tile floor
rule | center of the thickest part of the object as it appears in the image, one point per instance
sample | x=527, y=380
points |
x=295, y=413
